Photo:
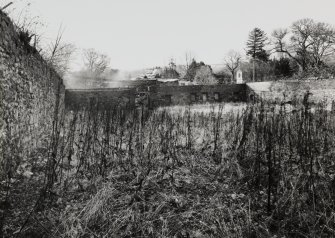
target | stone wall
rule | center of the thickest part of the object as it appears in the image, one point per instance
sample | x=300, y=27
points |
x=154, y=96
x=184, y=95
x=103, y=98
x=319, y=90
x=32, y=99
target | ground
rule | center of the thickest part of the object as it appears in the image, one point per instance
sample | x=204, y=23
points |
x=223, y=170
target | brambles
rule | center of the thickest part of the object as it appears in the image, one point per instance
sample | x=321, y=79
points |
x=258, y=171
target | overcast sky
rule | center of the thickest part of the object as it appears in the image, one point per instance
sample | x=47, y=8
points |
x=146, y=33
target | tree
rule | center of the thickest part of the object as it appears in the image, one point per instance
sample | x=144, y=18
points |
x=192, y=69
x=170, y=72
x=232, y=62
x=323, y=38
x=58, y=54
x=172, y=64
x=204, y=75
x=255, y=47
x=189, y=58
x=282, y=67
x=95, y=63
x=222, y=77
x=256, y=43
x=307, y=42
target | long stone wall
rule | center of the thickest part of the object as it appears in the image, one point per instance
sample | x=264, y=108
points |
x=103, y=98
x=154, y=96
x=319, y=90
x=184, y=95
x=32, y=99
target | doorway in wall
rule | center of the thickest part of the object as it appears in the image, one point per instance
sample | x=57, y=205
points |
x=204, y=97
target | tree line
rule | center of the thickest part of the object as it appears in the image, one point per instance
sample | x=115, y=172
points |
x=305, y=49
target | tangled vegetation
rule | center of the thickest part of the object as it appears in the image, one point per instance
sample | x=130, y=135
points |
x=261, y=171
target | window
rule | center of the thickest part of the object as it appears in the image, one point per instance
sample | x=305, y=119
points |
x=236, y=96
x=216, y=96
x=193, y=97
x=204, y=97
x=168, y=99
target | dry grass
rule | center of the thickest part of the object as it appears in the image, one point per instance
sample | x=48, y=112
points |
x=254, y=171
x=257, y=171
x=207, y=108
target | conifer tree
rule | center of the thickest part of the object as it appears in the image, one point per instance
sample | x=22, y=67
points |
x=255, y=47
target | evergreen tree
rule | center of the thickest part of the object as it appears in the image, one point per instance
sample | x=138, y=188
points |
x=255, y=47
x=282, y=67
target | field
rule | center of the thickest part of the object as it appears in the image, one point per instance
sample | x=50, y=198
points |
x=224, y=170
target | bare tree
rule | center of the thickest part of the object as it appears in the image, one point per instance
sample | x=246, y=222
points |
x=189, y=57
x=96, y=63
x=232, y=62
x=307, y=42
x=323, y=37
x=58, y=54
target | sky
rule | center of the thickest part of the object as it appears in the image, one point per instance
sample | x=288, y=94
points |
x=139, y=34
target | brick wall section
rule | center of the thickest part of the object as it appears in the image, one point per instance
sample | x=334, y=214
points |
x=32, y=97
